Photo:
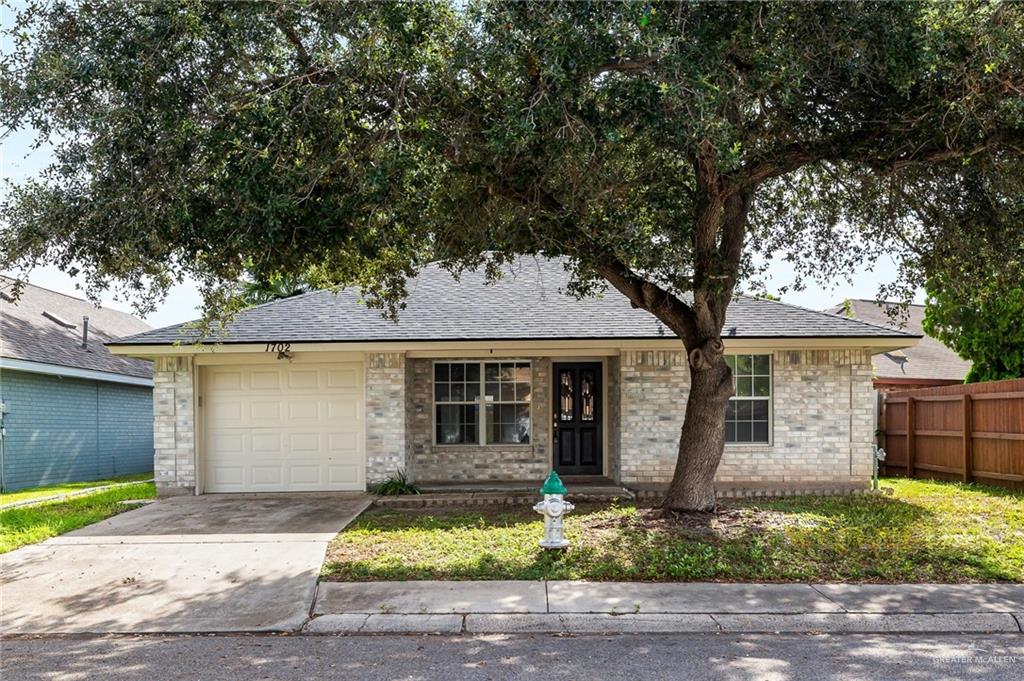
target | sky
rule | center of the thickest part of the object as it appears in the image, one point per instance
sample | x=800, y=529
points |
x=20, y=160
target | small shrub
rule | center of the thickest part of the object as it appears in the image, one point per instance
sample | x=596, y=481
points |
x=395, y=485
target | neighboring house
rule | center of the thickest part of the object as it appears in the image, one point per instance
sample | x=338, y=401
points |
x=500, y=383
x=70, y=409
x=927, y=364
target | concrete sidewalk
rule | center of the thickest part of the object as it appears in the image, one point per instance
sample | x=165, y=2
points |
x=628, y=608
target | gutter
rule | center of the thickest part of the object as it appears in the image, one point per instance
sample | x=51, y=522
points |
x=72, y=372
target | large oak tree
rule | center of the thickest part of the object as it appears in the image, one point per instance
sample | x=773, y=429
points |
x=669, y=150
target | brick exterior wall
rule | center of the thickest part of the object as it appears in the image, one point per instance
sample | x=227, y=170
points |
x=385, y=415
x=822, y=403
x=174, y=431
x=823, y=420
x=442, y=463
x=64, y=429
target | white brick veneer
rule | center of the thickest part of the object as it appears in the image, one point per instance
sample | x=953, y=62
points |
x=823, y=422
x=174, y=433
x=385, y=415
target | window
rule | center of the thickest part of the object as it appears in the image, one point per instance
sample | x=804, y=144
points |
x=503, y=388
x=747, y=416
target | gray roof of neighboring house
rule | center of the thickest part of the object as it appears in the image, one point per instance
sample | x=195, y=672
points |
x=26, y=334
x=928, y=360
x=527, y=303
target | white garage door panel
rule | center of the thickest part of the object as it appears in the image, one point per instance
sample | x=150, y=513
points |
x=284, y=428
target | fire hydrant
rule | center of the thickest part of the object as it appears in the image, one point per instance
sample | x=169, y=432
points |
x=553, y=507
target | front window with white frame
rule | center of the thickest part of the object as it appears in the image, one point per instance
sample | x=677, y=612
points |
x=748, y=416
x=503, y=389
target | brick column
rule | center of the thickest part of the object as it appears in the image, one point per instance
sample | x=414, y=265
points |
x=174, y=456
x=385, y=414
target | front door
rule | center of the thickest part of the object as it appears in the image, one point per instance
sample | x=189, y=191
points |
x=578, y=415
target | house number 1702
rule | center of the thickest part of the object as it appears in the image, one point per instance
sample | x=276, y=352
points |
x=278, y=347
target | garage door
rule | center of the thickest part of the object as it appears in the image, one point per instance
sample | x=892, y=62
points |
x=283, y=428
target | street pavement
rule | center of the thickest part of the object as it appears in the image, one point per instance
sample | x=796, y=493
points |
x=689, y=657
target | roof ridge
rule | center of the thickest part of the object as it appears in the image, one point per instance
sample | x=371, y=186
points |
x=832, y=315
x=884, y=302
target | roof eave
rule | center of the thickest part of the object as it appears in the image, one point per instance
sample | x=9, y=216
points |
x=876, y=344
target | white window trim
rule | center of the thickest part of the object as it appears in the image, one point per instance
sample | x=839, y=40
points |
x=481, y=437
x=771, y=404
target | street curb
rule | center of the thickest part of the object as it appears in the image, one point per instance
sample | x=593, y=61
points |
x=662, y=623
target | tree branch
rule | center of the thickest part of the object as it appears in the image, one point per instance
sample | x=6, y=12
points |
x=626, y=65
x=647, y=295
x=293, y=37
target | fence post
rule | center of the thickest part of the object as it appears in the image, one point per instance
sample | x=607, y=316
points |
x=910, y=437
x=968, y=440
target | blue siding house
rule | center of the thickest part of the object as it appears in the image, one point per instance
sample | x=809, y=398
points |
x=69, y=410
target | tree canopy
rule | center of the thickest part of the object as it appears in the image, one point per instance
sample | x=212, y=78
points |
x=975, y=302
x=667, y=149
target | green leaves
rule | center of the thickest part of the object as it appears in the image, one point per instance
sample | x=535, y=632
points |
x=231, y=141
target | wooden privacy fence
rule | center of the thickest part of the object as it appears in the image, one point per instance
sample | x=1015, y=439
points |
x=973, y=433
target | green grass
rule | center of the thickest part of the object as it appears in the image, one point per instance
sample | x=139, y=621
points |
x=925, y=532
x=31, y=524
x=66, y=487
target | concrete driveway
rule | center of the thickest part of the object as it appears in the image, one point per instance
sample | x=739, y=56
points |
x=211, y=563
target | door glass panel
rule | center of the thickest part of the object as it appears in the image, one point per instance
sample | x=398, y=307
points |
x=587, y=395
x=566, y=397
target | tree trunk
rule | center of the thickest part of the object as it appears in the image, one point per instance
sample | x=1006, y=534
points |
x=703, y=434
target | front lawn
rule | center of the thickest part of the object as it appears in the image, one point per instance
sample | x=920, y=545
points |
x=30, y=524
x=924, y=532
x=67, y=488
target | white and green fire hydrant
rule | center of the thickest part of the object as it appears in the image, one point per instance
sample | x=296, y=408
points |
x=553, y=507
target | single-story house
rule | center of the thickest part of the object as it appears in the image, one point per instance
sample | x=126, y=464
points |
x=925, y=365
x=69, y=409
x=499, y=382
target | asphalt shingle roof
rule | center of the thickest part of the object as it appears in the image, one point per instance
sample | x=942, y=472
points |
x=929, y=359
x=26, y=334
x=529, y=302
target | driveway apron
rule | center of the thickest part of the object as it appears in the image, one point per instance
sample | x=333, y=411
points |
x=213, y=563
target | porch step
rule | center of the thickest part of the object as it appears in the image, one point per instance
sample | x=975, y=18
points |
x=515, y=496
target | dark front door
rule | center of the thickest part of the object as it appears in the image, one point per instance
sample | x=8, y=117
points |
x=578, y=415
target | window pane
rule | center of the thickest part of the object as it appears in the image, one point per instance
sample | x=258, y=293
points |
x=508, y=372
x=441, y=392
x=744, y=432
x=508, y=392
x=761, y=432
x=458, y=392
x=730, y=431
x=523, y=392
x=762, y=386
x=440, y=372
x=587, y=396
x=743, y=410
x=491, y=372
x=491, y=390
x=566, y=395
x=523, y=423
x=458, y=372
x=759, y=410
x=744, y=387
x=456, y=424
x=472, y=391
x=730, y=361
x=761, y=365
x=448, y=431
x=743, y=365
x=473, y=372
x=730, y=411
